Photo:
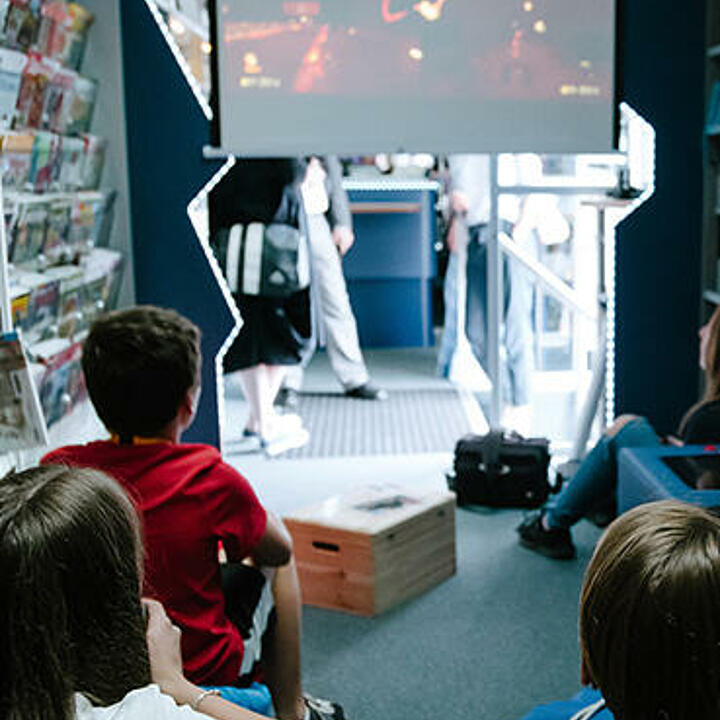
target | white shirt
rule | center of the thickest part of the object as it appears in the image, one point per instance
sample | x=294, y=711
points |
x=470, y=175
x=142, y=704
x=314, y=192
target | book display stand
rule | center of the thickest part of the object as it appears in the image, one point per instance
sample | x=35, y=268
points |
x=57, y=272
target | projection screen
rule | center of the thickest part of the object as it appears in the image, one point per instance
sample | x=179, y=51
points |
x=368, y=76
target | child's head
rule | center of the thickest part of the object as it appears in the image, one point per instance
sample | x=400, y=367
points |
x=141, y=365
x=650, y=614
x=709, y=335
x=70, y=577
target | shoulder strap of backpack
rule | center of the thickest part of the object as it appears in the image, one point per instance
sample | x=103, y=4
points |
x=232, y=257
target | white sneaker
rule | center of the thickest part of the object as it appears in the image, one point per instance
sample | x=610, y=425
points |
x=283, y=438
x=285, y=423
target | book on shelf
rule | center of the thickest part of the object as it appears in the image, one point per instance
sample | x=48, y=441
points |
x=54, y=98
x=53, y=28
x=42, y=162
x=12, y=65
x=712, y=119
x=22, y=424
x=43, y=231
x=62, y=383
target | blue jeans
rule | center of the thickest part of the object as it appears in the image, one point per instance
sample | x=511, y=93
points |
x=518, y=336
x=595, y=482
x=255, y=697
x=449, y=334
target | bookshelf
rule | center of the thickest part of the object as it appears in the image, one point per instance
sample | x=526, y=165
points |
x=58, y=220
x=711, y=160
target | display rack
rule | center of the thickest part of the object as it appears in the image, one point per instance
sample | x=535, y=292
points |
x=57, y=222
x=711, y=196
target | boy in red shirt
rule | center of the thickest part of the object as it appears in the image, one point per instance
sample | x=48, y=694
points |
x=142, y=369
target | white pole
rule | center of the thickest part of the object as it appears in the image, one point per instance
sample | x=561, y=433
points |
x=495, y=293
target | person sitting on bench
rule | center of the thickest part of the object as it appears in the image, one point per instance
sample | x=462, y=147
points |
x=593, y=487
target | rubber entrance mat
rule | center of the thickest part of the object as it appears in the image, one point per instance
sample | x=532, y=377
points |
x=408, y=422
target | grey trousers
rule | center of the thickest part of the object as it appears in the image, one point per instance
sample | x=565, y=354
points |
x=334, y=315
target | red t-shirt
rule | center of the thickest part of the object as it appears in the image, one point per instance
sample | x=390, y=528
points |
x=189, y=500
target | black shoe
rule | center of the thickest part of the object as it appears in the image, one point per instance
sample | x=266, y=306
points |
x=555, y=543
x=287, y=398
x=319, y=709
x=602, y=518
x=366, y=391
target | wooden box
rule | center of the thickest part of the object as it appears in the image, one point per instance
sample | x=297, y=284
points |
x=371, y=549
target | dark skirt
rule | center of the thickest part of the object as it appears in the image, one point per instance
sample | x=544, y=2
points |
x=275, y=331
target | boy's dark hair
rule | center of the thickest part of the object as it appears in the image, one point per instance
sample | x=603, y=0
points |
x=650, y=614
x=70, y=577
x=139, y=364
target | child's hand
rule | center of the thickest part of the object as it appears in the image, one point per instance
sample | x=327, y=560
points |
x=163, y=639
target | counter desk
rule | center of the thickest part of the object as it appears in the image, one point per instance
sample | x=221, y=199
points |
x=391, y=267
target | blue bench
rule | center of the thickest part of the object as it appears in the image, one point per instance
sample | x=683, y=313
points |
x=643, y=476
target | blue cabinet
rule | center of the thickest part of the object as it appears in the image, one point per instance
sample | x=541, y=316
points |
x=391, y=267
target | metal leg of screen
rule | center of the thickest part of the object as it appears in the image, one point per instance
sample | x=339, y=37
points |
x=495, y=292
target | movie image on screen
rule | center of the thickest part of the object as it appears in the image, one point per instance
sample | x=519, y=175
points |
x=378, y=75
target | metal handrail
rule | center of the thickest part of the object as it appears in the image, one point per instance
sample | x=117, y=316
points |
x=555, y=285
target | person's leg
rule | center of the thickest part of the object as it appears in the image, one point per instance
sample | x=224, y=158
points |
x=282, y=651
x=302, y=313
x=265, y=604
x=261, y=384
x=448, y=342
x=518, y=334
x=476, y=295
x=294, y=378
x=252, y=381
x=336, y=315
x=277, y=433
x=275, y=374
x=596, y=479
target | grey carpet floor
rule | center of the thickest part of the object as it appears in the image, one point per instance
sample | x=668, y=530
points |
x=408, y=422
x=488, y=644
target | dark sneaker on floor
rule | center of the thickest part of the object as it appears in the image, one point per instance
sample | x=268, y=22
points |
x=287, y=398
x=555, y=543
x=367, y=391
x=601, y=518
x=319, y=709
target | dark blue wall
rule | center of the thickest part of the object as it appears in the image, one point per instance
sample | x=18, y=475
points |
x=166, y=132
x=658, y=284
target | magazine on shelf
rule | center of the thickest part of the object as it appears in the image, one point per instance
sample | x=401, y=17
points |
x=22, y=425
x=12, y=64
x=62, y=385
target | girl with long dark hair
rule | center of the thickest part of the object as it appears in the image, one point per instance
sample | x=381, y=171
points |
x=76, y=640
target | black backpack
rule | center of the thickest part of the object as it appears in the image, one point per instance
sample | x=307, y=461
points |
x=501, y=470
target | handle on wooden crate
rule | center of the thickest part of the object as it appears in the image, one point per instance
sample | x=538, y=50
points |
x=325, y=546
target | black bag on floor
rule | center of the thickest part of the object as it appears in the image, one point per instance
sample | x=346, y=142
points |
x=501, y=470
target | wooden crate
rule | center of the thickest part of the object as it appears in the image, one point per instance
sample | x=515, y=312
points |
x=369, y=550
